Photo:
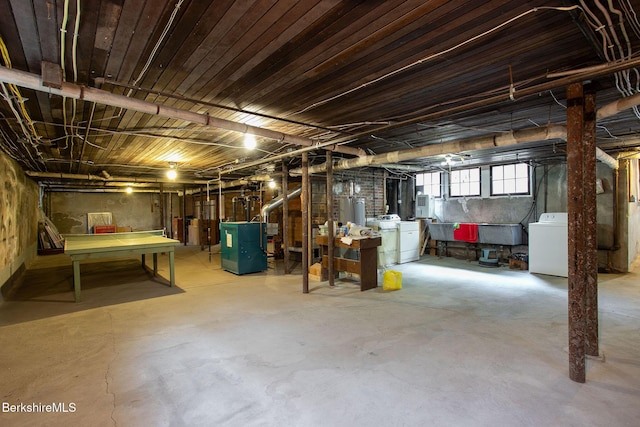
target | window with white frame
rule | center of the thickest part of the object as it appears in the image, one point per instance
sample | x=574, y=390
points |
x=510, y=179
x=430, y=183
x=464, y=182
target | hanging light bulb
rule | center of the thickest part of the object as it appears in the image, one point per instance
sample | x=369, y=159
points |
x=249, y=141
x=272, y=184
x=172, y=173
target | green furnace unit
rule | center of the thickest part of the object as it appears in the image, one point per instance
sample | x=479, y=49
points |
x=243, y=246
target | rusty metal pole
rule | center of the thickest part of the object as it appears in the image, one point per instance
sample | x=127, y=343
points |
x=161, y=197
x=184, y=213
x=285, y=216
x=590, y=224
x=330, y=228
x=304, y=200
x=575, y=207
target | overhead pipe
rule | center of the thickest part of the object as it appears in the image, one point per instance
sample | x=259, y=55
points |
x=112, y=180
x=580, y=75
x=102, y=190
x=607, y=159
x=618, y=106
x=277, y=202
x=32, y=81
x=86, y=93
x=90, y=177
x=551, y=131
x=543, y=133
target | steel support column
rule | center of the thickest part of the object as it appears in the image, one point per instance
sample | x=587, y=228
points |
x=161, y=197
x=590, y=224
x=304, y=200
x=330, y=228
x=576, y=213
x=184, y=214
x=285, y=216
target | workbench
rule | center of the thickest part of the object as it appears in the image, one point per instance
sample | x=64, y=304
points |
x=365, y=263
x=82, y=247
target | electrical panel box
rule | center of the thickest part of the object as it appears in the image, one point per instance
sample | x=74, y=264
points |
x=424, y=206
x=243, y=247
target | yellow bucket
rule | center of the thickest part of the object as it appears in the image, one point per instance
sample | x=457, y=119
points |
x=392, y=280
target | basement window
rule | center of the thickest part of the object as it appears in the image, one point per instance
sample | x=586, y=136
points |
x=429, y=183
x=464, y=182
x=510, y=179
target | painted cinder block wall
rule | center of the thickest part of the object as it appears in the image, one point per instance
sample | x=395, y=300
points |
x=18, y=221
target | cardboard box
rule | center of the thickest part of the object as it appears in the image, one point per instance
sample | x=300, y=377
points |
x=316, y=269
x=315, y=273
x=194, y=237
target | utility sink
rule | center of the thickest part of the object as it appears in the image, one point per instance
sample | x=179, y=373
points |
x=494, y=234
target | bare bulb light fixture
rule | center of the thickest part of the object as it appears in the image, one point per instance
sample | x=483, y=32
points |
x=249, y=141
x=172, y=173
x=448, y=161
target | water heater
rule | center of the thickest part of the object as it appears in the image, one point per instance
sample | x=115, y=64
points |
x=424, y=206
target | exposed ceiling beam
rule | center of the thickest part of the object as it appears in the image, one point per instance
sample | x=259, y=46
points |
x=70, y=90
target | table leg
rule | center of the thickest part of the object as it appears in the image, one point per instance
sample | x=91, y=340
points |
x=155, y=263
x=172, y=274
x=144, y=261
x=76, y=279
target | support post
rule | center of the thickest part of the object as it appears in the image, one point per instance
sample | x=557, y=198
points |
x=161, y=197
x=575, y=207
x=330, y=227
x=304, y=201
x=590, y=225
x=184, y=214
x=285, y=216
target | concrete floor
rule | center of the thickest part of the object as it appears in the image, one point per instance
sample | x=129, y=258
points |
x=459, y=345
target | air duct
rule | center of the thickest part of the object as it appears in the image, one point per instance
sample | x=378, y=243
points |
x=277, y=202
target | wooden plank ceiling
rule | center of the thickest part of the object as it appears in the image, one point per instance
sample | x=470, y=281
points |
x=376, y=75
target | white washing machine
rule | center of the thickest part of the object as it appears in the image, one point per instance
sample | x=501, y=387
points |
x=408, y=241
x=548, y=247
x=387, y=225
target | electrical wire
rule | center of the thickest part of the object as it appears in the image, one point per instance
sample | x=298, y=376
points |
x=435, y=55
x=160, y=40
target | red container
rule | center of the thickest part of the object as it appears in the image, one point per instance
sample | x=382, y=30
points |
x=466, y=232
x=101, y=229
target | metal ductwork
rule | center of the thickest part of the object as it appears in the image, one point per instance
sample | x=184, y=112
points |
x=277, y=202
